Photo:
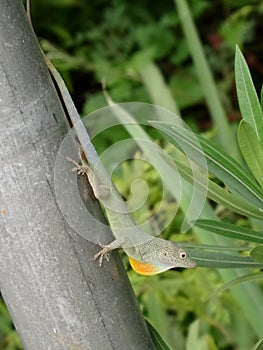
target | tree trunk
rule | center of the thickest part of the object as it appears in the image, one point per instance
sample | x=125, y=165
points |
x=57, y=295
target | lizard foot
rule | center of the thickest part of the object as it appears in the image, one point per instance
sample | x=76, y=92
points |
x=104, y=253
x=79, y=169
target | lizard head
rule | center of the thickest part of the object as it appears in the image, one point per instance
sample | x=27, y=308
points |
x=159, y=255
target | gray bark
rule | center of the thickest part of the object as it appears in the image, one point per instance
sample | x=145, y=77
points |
x=57, y=296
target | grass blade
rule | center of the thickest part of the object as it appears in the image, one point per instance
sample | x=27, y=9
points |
x=206, y=79
x=156, y=87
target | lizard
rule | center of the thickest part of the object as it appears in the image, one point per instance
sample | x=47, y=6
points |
x=148, y=255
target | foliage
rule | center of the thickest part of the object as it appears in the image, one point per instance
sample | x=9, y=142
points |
x=141, y=51
x=8, y=337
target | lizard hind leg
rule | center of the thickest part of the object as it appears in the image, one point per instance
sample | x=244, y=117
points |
x=101, y=191
x=80, y=169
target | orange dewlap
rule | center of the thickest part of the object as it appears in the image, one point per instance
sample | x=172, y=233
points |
x=143, y=268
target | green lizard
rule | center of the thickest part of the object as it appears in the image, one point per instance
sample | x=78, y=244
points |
x=148, y=255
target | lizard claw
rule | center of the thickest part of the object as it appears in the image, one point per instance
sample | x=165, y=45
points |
x=79, y=169
x=69, y=159
x=104, y=253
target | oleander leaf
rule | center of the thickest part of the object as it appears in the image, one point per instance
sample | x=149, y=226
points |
x=251, y=150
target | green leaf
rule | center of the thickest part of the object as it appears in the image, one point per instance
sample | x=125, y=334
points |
x=193, y=335
x=257, y=254
x=203, y=71
x=259, y=345
x=219, y=162
x=219, y=260
x=214, y=247
x=243, y=295
x=251, y=150
x=198, y=341
x=230, y=230
x=157, y=339
x=190, y=201
x=247, y=97
x=220, y=195
x=238, y=280
x=156, y=87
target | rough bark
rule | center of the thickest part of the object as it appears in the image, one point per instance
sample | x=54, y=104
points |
x=57, y=296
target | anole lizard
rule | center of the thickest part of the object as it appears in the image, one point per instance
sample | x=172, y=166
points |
x=148, y=255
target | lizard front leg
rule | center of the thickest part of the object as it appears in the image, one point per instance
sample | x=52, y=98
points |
x=101, y=192
x=104, y=253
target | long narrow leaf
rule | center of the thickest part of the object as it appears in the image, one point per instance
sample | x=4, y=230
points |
x=251, y=150
x=205, y=76
x=215, y=247
x=156, y=87
x=247, y=96
x=259, y=345
x=219, y=260
x=248, y=304
x=238, y=280
x=219, y=162
x=229, y=230
x=193, y=207
x=221, y=196
x=159, y=342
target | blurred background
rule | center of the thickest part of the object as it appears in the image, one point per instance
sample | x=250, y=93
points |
x=130, y=45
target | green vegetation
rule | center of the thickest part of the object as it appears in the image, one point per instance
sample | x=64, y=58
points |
x=152, y=52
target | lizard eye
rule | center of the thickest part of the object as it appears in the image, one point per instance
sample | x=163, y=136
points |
x=182, y=255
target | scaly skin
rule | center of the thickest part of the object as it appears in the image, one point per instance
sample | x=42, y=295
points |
x=148, y=255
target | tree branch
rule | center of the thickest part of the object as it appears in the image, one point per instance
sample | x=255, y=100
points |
x=57, y=296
